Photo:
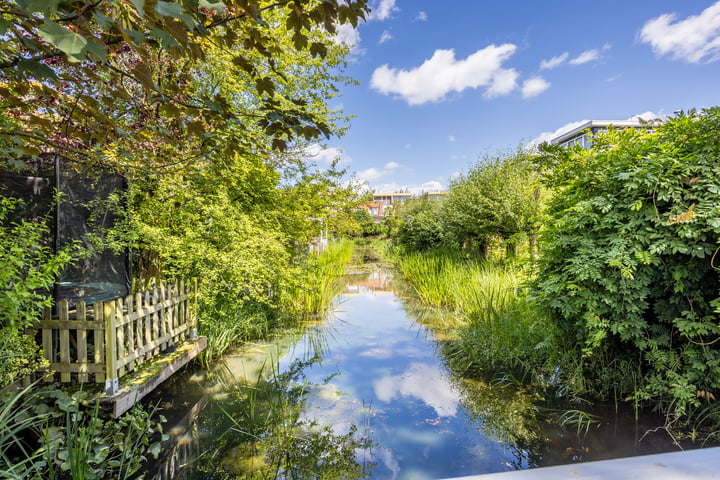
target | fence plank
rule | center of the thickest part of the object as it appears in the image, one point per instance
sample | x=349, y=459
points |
x=111, y=373
x=47, y=345
x=119, y=328
x=80, y=316
x=99, y=341
x=64, y=339
x=130, y=329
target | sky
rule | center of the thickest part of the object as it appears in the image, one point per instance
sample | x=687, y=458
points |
x=444, y=84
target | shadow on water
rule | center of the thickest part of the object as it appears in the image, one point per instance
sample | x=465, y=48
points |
x=369, y=392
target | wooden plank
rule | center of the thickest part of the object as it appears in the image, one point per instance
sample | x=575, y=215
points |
x=64, y=339
x=148, y=321
x=125, y=399
x=111, y=375
x=71, y=325
x=47, y=344
x=130, y=330
x=139, y=326
x=75, y=367
x=161, y=315
x=155, y=319
x=99, y=341
x=120, y=336
x=82, y=358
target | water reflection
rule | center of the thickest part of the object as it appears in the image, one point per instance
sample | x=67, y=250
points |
x=367, y=392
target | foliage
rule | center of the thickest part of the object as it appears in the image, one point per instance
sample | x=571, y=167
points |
x=628, y=265
x=76, y=442
x=267, y=436
x=419, y=225
x=316, y=281
x=366, y=223
x=116, y=82
x=20, y=356
x=499, y=330
x=499, y=196
x=28, y=267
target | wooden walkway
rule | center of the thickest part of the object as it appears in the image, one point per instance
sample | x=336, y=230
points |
x=700, y=464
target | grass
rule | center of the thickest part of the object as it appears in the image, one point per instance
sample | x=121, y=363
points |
x=309, y=291
x=501, y=333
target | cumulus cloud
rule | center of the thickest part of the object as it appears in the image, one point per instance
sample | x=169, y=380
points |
x=451, y=138
x=392, y=165
x=383, y=10
x=534, y=86
x=443, y=73
x=694, y=39
x=422, y=16
x=554, y=62
x=384, y=37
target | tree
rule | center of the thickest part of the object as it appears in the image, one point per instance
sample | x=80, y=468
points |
x=113, y=83
x=499, y=196
x=629, y=268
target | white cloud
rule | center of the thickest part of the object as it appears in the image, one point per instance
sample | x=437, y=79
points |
x=371, y=174
x=384, y=37
x=383, y=10
x=451, y=138
x=407, y=146
x=392, y=165
x=534, y=86
x=422, y=382
x=442, y=74
x=554, y=62
x=347, y=34
x=422, y=16
x=694, y=39
x=586, y=57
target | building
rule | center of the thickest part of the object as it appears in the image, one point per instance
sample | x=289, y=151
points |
x=382, y=204
x=435, y=195
x=582, y=134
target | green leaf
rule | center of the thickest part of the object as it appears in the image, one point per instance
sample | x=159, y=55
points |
x=38, y=69
x=67, y=41
x=175, y=10
x=217, y=6
x=139, y=7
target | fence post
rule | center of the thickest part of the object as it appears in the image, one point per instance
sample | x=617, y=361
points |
x=111, y=373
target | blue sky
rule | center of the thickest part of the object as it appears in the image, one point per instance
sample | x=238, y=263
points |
x=444, y=84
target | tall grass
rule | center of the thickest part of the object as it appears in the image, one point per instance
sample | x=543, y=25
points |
x=308, y=290
x=318, y=281
x=501, y=333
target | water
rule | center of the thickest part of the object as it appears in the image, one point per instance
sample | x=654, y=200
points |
x=367, y=393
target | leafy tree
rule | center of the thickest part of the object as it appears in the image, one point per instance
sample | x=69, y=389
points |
x=115, y=82
x=629, y=268
x=499, y=196
x=419, y=225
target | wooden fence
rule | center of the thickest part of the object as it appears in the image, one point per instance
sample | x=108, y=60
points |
x=106, y=340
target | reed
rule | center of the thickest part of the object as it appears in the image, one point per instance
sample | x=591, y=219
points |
x=501, y=333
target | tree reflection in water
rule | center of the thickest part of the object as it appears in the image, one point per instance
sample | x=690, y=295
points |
x=265, y=434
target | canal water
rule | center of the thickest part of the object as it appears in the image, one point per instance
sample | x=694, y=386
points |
x=367, y=392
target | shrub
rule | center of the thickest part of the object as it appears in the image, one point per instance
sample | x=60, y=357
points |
x=629, y=267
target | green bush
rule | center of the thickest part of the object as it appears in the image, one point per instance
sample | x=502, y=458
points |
x=629, y=267
x=19, y=356
x=28, y=267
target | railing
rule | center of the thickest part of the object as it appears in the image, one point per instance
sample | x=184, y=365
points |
x=107, y=340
